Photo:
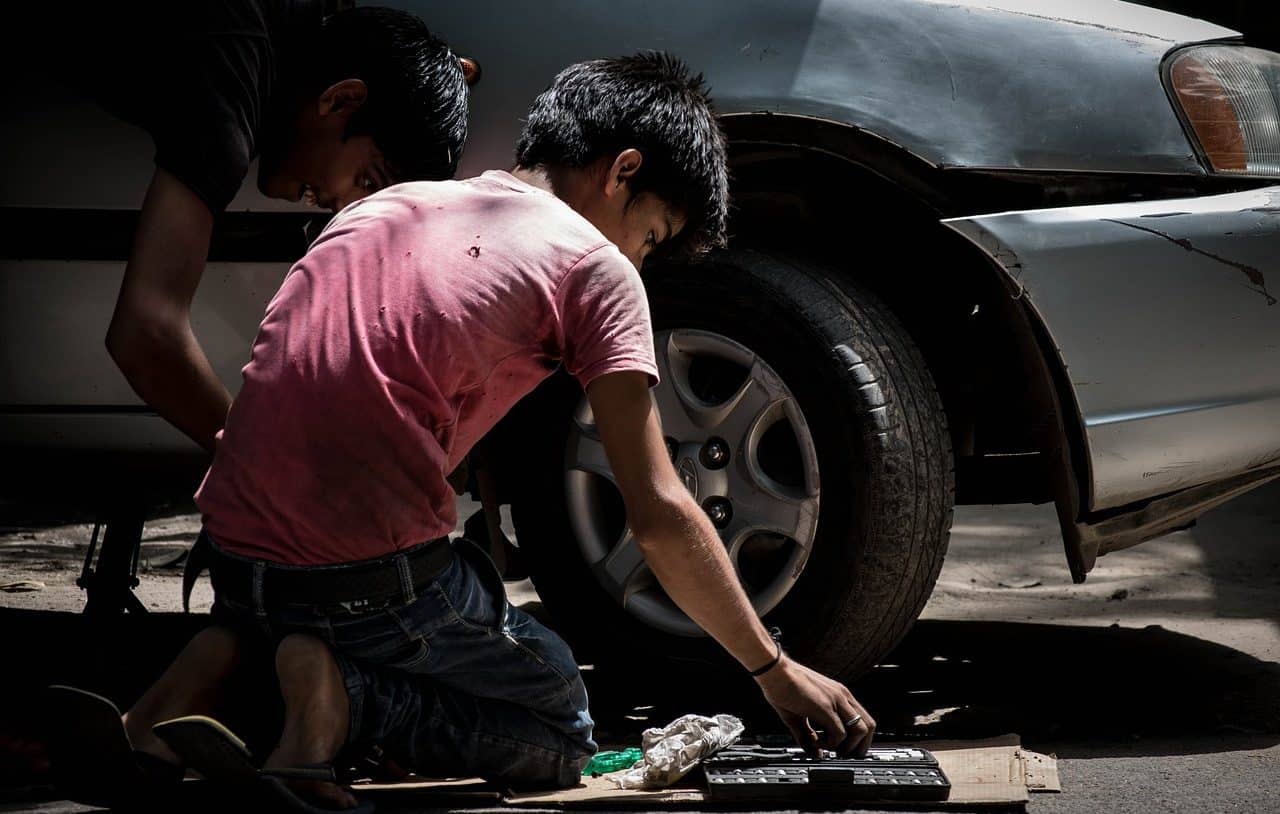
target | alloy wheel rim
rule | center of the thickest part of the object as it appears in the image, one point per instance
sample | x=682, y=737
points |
x=741, y=446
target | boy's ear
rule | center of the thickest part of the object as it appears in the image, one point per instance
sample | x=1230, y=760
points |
x=470, y=70
x=343, y=98
x=622, y=171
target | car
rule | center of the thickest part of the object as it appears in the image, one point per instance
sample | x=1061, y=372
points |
x=983, y=251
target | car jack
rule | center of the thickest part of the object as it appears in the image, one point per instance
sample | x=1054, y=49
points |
x=109, y=584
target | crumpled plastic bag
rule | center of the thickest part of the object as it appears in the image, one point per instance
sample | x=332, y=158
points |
x=670, y=752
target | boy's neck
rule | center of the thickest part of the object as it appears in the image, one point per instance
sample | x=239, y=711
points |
x=535, y=177
x=570, y=184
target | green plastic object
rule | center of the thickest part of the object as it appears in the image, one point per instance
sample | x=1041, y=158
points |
x=608, y=762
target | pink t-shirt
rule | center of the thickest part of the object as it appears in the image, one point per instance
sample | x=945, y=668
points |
x=418, y=318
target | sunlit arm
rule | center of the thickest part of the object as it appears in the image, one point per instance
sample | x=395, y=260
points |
x=678, y=541
x=686, y=555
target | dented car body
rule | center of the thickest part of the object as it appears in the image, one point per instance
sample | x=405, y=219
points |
x=1042, y=192
x=1194, y=414
x=1173, y=395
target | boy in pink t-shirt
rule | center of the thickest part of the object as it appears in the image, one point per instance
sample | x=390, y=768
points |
x=413, y=324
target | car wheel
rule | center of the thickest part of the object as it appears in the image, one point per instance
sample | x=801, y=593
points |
x=803, y=419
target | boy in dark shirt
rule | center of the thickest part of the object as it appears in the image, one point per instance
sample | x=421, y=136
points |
x=334, y=107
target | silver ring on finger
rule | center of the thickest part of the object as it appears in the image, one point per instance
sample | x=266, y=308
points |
x=852, y=722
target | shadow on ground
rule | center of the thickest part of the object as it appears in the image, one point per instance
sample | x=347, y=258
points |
x=1240, y=543
x=1051, y=684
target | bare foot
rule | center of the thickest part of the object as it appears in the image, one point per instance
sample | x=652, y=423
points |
x=316, y=717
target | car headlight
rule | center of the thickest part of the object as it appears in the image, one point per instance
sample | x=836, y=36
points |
x=1229, y=97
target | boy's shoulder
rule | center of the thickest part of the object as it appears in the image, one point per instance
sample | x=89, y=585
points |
x=493, y=194
x=497, y=201
x=496, y=214
x=529, y=200
x=493, y=184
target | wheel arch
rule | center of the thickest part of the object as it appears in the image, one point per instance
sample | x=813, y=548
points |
x=867, y=208
x=798, y=183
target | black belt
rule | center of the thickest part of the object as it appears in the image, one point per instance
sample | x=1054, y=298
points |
x=354, y=586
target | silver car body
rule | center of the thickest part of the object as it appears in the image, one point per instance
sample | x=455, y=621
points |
x=1029, y=84
x=1159, y=312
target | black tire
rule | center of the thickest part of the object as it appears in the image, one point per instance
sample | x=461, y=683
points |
x=884, y=455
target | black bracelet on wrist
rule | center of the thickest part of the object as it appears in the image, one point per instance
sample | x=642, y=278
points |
x=776, y=635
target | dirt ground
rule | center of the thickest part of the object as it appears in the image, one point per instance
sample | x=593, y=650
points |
x=1156, y=682
x=1216, y=581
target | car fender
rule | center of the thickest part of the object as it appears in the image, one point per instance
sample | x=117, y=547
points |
x=1164, y=317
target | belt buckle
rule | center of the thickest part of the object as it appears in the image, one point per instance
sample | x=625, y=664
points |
x=356, y=607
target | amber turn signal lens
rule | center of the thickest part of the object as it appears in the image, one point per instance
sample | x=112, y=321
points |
x=1209, y=111
x=1230, y=98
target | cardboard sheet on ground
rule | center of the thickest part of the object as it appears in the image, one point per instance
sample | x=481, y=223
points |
x=995, y=771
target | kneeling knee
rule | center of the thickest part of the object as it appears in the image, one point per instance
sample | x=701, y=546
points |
x=299, y=651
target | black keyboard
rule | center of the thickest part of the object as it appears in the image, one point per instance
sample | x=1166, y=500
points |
x=747, y=772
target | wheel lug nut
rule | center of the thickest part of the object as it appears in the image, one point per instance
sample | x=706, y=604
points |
x=719, y=510
x=715, y=454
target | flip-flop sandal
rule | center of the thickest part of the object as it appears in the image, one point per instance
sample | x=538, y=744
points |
x=92, y=759
x=209, y=748
x=213, y=750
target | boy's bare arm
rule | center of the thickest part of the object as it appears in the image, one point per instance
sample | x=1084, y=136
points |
x=150, y=337
x=686, y=555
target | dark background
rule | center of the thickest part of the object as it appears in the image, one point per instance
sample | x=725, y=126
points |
x=1258, y=20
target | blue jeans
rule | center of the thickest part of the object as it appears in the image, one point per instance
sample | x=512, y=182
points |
x=455, y=682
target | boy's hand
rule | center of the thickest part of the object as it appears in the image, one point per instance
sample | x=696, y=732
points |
x=807, y=700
